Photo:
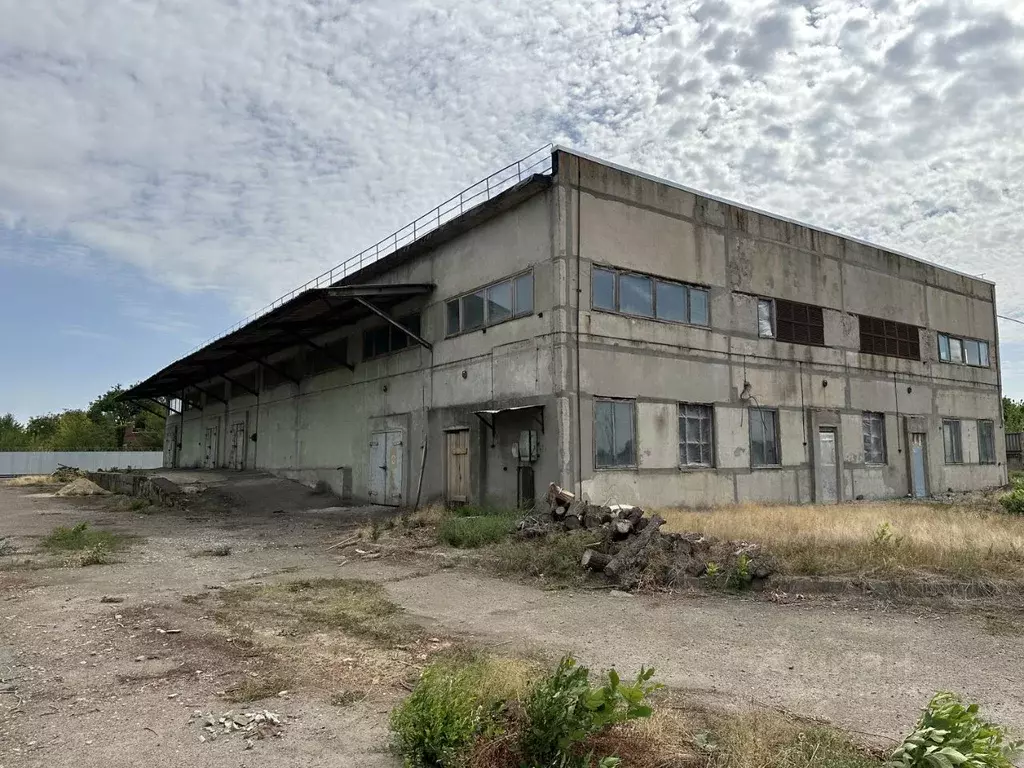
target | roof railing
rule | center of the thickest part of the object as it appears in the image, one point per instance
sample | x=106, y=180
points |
x=537, y=162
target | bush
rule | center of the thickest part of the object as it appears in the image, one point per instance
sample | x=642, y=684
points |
x=80, y=537
x=476, y=531
x=438, y=723
x=462, y=709
x=563, y=710
x=950, y=733
x=1013, y=502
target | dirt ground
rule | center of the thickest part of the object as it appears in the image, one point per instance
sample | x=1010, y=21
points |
x=86, y=683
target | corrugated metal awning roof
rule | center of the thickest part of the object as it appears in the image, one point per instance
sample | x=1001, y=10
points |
x=296, y=322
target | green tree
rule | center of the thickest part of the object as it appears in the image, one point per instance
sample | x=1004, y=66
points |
x=1013, y=414
x=76, y=431
x=41, y=430
x=12, y=434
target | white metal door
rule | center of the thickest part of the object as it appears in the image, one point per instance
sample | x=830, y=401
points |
x=212, y=442
x=171, y=446
x=919, y=485
x=378, y=468
x=393, y=474
x=828, y=481
x=236, y=453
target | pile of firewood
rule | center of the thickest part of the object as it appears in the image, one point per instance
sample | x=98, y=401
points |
x=632, y=550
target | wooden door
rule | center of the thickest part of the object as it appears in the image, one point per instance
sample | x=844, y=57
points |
x=457, y=482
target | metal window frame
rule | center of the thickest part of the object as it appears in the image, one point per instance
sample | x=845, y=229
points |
x=868, y=330
x=516, y=314
x=402, y=326
x=991, y=442
x=982, y=344
x=771, y=317
x=776, y=431
x=709, y=414
x=958, y=443
x=655, y=279
x=636, y=452
x=869, y=417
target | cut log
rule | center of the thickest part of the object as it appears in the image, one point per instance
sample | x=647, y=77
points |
x=633, y=555
x=632, y=515
x=621, y=529
x=595, y=561
x=640, y=524
x=591, y=520
x=558, y=511
x=571, y=523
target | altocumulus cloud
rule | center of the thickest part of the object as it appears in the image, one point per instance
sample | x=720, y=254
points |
x=244, y=147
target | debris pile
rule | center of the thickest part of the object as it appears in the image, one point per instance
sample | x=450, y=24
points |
x=65, y=474
x=82, y=487
x=632, y=551
x=252, y=725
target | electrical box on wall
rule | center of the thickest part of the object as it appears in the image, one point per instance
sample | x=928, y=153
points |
x=527, y=450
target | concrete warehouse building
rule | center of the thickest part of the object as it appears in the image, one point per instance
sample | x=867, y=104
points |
x=571, y=321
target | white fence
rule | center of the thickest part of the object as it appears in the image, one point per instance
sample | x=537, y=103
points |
x=45, y=462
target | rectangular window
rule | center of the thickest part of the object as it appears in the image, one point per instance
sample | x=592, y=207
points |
x=614, y=433
x=956, y=350
x=524, y=294
x=790, y=321
x=874, y=437
x=490, y=305
x=671, y=301
x=473, y=308
x=951, y=441
x=799, y=323
x=887, y=337
x=452, y=324
x=764, y=437
x=766, y=318
x=602, y=292
x=634, y=294
x=696, y=446
x=986, y=441
x=385, y=339
x=499, y=302
x=698, y=306
x=953, y=349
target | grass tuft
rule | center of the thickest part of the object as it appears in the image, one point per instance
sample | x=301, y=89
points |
x=257, y=688
x=81, y=538
x=219, y=550
x=884, y=539
x=555, y=557
x=474, y=531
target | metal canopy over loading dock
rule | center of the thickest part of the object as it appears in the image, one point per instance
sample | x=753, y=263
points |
x=298, y=322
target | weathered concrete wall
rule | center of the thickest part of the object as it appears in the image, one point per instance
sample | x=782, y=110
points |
x=625, y=221
x=321, y=428
x=566, y=354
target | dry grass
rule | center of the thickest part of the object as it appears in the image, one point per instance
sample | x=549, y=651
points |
x=357, y=608
x=956, y=541
x=23, y=480
x=325, y=634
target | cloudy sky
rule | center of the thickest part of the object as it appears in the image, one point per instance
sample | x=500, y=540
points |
x=168, y=166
